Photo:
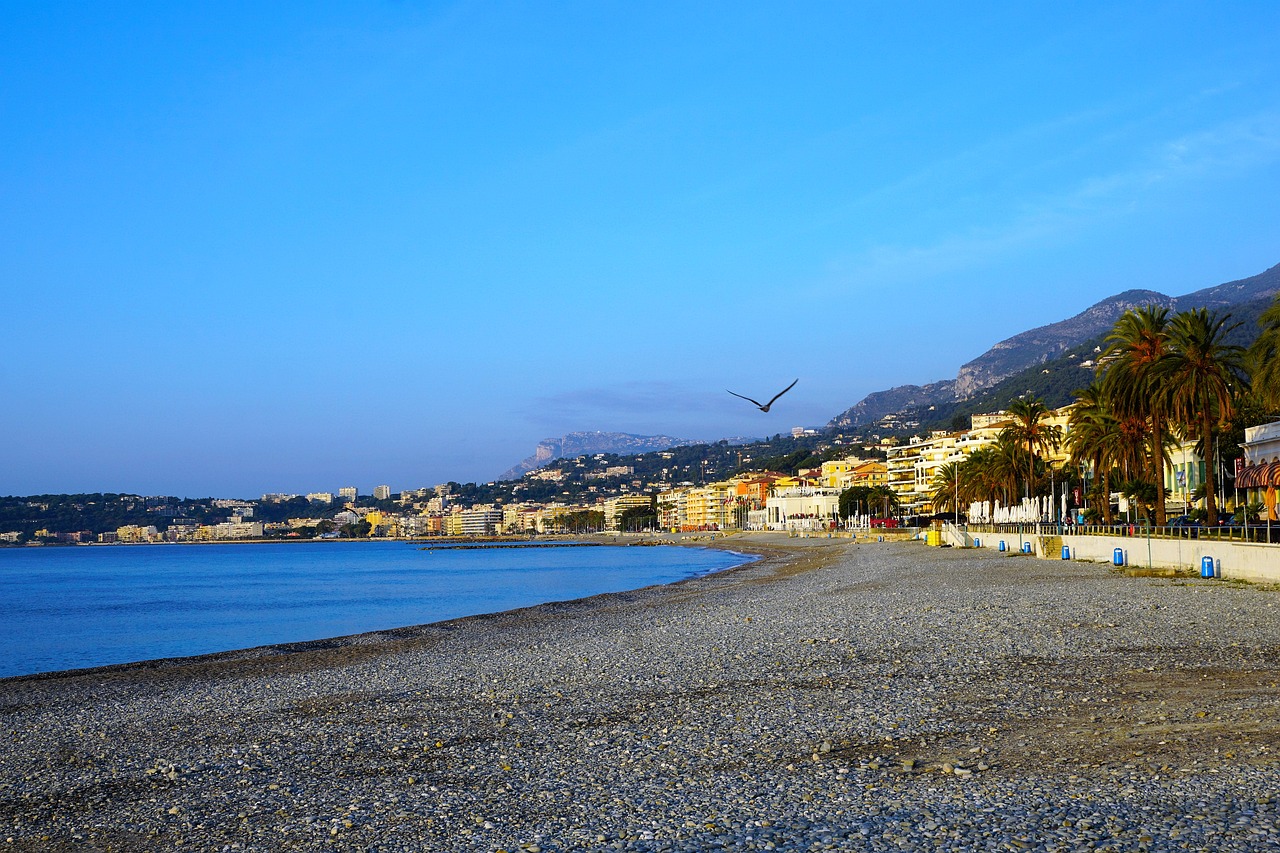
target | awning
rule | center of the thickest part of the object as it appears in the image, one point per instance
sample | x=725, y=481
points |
x=1259, y=476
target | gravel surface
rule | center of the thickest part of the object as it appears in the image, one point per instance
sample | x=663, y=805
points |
x=882, y=696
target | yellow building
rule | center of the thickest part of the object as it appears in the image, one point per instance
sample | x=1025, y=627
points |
x=710, y=507
x=787, y=483
x=453, y=523
x=870, y=473
x=135, y=534
x=835, y=473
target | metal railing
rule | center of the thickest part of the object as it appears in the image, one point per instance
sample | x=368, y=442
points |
x=1256, y=533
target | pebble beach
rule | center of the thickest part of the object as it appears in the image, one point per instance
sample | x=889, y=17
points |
x=830, y=696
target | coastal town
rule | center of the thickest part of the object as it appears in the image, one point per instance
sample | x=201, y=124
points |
x=640, y=428
x=1173, y=425
x=894, y=480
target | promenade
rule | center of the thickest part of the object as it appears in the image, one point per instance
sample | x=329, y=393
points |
x=881, y=696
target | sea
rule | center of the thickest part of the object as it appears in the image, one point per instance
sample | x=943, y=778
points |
x=84, y=606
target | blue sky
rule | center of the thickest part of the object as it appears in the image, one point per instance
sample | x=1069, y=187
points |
x=254, y=247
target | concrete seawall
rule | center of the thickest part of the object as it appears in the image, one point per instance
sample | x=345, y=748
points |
x=1236, y=560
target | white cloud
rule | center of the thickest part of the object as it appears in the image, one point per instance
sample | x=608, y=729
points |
x=1214, y=154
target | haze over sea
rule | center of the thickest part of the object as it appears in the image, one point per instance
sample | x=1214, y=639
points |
x=66, y=608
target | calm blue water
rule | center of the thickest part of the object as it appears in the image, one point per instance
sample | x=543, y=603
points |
x=64, y=608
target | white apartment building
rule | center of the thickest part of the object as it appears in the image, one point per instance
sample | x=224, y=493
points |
x=802, y=508
x=914, y=466
x=481, y=521
x=673, y=509
x=381, y=493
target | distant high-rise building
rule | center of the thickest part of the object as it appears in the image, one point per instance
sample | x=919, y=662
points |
x=348, y=493
x=381, y=493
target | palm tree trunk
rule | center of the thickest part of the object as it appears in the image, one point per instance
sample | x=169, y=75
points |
x=1157, y=459
x=1031, y=466
x=1106, y=497
x=1210, y=468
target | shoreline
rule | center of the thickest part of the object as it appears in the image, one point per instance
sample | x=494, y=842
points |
x=854, y=697
x=272, y=650
x=646, y=538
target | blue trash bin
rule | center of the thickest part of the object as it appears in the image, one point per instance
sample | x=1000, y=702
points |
x=1117, y=557
x=1026, y=547
x=1066, y=552
x=1002, y=545
x=1206, y=567
x=977, y=543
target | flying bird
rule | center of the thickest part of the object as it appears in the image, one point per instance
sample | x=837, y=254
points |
x=764, y=407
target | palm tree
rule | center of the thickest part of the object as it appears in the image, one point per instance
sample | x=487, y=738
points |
x=991, y=472
x=1203, y=373
x=946, y=488
x=1264, y=357
x=1005, y=464
x=1029, y=429
x=1138, y=342
x=977, y=476
x=1094, y=438
x=883, y=497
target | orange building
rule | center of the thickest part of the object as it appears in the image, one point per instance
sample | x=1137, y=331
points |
x=756, y=487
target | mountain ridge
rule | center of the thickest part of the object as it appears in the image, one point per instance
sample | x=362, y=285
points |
x=578, y=443
x=1037, y=346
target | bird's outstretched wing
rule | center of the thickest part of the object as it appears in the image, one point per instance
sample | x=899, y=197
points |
x=779, y=394
x=748, y=399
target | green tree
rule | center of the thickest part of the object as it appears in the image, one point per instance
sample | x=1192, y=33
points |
x=946, y=488
x=855, y=500
x=1140, y=494
x=1031, y=431
x=356, y=529
x=582, y=521
x=991, y=472
x=1138, y=342
x=884, y=500
x=1095, y=439
x=1264, y=357
x=638, y=517
x=1202, y=372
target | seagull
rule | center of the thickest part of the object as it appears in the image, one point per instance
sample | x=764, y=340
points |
x=764, y=407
